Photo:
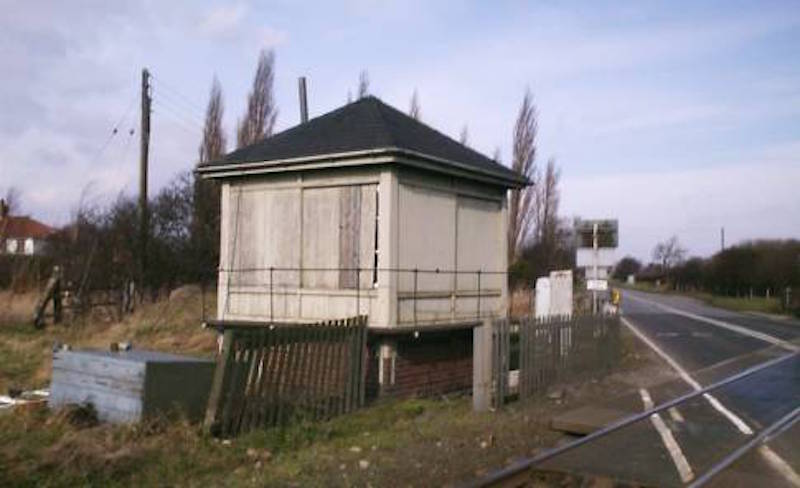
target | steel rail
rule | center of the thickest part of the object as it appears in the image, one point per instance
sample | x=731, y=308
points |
x=784, y=422
x=518, y=468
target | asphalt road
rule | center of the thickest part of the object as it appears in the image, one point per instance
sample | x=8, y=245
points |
x=704, y=345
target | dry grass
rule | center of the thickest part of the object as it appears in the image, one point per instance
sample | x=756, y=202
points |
x=399, y=443
x=168, y=325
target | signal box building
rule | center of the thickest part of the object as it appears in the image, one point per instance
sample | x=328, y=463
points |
x=367, y=211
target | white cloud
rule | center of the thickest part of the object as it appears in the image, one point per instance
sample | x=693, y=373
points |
x=224, y=20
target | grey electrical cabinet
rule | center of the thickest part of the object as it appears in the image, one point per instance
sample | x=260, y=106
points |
x=129, y=386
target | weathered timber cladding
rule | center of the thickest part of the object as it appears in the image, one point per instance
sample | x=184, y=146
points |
x=544, y=351
x=267, y=375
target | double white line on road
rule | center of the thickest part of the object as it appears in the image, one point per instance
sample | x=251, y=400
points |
x=684, y=469
x=777, y=462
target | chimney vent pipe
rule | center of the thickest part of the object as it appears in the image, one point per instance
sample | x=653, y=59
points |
x=301, y=88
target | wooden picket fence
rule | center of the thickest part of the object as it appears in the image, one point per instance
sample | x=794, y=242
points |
x=268, y=375
x=540, y=352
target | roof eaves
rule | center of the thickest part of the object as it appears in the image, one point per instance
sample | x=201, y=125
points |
x=514, y=180
x=370, y=156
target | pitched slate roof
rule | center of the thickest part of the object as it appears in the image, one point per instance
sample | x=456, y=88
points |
x=367, y=124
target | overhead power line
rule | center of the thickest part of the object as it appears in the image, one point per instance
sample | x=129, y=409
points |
x=179, y=97
x=114, y=130
x=181, y=119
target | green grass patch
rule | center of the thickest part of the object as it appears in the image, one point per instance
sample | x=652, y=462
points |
x=770, y=305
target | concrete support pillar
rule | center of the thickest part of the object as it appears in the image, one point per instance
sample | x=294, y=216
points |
x=505, y=302
x=387, y=357
x=224, y=251
x=482, y=366
x=386, y=313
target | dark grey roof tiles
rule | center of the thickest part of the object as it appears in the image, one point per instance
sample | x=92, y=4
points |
x=366, y=124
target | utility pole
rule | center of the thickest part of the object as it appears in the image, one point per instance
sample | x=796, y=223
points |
x=722, y=238
x=144, y=150
x=596, y=257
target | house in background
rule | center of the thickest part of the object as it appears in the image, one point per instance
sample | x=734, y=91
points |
x=367, y=211
x=22, y=235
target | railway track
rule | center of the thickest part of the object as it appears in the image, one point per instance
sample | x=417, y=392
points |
x=528, y=471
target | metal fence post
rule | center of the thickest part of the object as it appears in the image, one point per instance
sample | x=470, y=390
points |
x=479, y=294
x=271, y=301
x=358, y=291
x=415, y=295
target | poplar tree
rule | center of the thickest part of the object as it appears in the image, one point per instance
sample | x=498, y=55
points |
x=259, y=121
x=206, y=198
x=523, y=201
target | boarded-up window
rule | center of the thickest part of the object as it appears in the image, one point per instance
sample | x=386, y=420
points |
x=338, y=236
x=357, y=237
x=349, y=236
x=263, y=234
x=320, y=244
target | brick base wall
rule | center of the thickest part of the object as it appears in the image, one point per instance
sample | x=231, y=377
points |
x=432, y=364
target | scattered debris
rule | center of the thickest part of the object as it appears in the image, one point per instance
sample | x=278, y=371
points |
x=355, y=449
x=363, y=464
x=19, y=398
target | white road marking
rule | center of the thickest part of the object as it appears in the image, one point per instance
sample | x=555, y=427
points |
x=676, y=415
x=681, y=463
x=780, y=465
x=769, y=455
x=725, y=325
x=735, y=420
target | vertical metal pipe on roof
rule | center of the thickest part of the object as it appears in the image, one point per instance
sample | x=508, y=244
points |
x=301, y=88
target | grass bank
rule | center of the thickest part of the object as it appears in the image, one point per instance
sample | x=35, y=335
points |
x=394, y=443
x=757, y=304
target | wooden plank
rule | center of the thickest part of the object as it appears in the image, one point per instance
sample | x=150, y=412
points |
x=257, y=412
x=218, y=386
x=257, y=382
x=330, y=350
x=341, y=364
x=279, y=365
x=363, y=357
x=305, y=370
x=349, y=347
x=284, y=380
x=233, y=397
x=313, y=372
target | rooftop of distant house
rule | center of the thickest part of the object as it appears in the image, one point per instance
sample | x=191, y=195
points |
x=21, y=226
x=367, y=131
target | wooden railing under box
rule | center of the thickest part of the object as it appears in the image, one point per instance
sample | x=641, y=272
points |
x=268, y=374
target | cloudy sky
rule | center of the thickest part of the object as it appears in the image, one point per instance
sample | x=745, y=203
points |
x=675, y=117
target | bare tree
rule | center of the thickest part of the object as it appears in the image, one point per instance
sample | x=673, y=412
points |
x=363, y=84
x=547, y=203
x=259, y=121
x=669, y=253
x=413, y=109
x=463, y=138
x=521, y=205
x=205, y=204
x=214, y=141
x=496, y=156
x=13, y=200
